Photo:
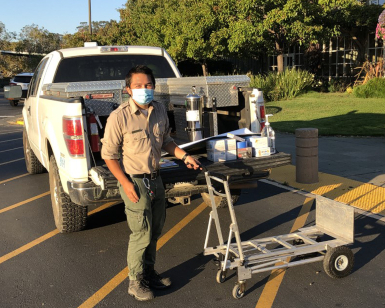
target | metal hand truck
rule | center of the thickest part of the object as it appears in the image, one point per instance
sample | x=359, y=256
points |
x=334, y=219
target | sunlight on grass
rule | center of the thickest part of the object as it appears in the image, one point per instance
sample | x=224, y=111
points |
x=332, y=113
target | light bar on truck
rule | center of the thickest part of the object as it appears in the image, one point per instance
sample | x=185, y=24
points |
x=114, y=49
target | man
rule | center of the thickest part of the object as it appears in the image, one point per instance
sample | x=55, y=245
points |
x=140, y=128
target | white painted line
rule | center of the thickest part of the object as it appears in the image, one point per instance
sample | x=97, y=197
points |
x=12, y=161
x=10, y=140
x=310, y=195
x=7, y=116
x=11, y=149
x=16, y=131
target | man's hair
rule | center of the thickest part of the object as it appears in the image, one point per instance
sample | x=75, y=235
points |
x=139, y=69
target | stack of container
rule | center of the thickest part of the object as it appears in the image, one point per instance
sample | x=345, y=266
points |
x=221, y=149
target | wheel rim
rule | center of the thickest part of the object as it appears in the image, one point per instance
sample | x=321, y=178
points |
x=341, y=263
x=55, y=200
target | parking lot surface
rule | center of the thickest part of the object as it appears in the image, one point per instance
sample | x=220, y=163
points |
x=39, y=267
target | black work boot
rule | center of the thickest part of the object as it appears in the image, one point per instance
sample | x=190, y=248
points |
x=155, y=280
x=139, y=289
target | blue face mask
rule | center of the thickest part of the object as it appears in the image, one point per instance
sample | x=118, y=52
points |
x=143, y=96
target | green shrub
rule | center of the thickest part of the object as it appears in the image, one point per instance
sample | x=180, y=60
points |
x=375, y=87
x=286, y=85
x=338, y=85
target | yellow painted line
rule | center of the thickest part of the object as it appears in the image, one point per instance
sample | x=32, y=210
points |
x=364, y=196
x=14, y=178
x=43, y=238
x=11, y=161
x=24, y=202
x=122, y=275
x=20, y=122
x=28, y=246
x=102, y=207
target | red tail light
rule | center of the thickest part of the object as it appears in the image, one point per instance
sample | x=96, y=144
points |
x=73, y=136
x=12, y=84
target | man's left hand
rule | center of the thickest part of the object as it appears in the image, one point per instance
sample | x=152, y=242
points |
x=192, y=163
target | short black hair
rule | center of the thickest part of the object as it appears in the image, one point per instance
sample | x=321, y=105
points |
x=139, y=69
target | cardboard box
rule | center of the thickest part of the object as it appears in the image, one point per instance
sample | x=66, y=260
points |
x=261, y=152
x=244, y=153
x=216, y=156
x=257, y=142
x=231, y=155
x=221, y=145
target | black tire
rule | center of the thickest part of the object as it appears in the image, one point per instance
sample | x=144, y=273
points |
x=239, y=290
x=69, y=217
x=221, y=202
x=338, y=262
x=32, y=164
x=14, y=103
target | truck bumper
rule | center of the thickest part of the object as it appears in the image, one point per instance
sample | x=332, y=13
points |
x=91, y=194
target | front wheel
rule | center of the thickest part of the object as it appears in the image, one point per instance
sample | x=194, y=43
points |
x=14, y=103
x=69, y=217
x=32, y=163
x=338, y=262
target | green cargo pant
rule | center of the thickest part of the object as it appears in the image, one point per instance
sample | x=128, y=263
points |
x=145, y=220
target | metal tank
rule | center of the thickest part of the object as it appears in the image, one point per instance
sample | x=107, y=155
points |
x=194, y=104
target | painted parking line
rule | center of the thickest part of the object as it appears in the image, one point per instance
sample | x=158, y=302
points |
x=11, y=161
x=45, y=237
x=11, y=149
x=11, y=140
x=16, y=131
x=24, y=202
x=122, y=275
x=14, y=178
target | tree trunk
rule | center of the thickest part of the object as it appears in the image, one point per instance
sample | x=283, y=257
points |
x=204, y=69
x=279, y=57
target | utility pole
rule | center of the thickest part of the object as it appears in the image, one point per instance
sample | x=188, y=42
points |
x=89, y=17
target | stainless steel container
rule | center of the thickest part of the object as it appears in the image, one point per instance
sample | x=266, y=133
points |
x=194, y=104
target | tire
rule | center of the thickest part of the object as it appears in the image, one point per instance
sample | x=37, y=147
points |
x=221, y=202
x=32, y=164
x=239, y=290
x=14, y=103
x=221, y=276
x=338, y=262
x=69, y=217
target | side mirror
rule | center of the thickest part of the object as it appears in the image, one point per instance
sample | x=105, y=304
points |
x=12, y=92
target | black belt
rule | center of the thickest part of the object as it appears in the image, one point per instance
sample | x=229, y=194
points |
x=150, y=176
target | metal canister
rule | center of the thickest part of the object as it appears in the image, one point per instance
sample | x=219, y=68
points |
x=194, y=103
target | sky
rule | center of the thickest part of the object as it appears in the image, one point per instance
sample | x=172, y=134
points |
x=54, y=15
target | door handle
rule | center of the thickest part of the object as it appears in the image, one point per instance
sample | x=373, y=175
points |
x=29, y=110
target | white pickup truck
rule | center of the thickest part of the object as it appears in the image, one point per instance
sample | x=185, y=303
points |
x=70, y=97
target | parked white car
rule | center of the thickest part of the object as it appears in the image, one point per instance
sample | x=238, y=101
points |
x=23, y=80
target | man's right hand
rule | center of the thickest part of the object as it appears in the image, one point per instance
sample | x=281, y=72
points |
x=129, y=189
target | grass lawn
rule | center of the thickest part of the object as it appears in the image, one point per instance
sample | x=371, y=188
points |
x=336, y=114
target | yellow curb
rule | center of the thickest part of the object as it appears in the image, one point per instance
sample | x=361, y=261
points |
x=365, y=196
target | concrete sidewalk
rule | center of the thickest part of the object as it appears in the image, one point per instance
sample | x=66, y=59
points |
x=351, y=170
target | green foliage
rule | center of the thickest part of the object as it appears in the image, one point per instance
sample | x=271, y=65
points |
x=339, y=85
x=286, y=85
x=375, y=87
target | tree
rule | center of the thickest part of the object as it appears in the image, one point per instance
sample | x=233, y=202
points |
x=33, y=39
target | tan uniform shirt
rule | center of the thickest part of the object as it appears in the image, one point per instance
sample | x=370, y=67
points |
x=141, y=138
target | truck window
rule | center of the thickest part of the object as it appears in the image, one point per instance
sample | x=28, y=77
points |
x=35, y=81
x=109, y=67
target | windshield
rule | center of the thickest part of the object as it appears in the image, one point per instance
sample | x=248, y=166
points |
x=22, y=79
x=109, y=67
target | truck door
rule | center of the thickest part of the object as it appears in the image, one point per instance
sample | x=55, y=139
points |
x=32, y=106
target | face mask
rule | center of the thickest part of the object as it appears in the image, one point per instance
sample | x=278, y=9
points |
x=143, y=96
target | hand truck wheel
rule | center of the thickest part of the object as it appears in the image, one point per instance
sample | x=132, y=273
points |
x=338, y=262
x=221, y=276
x=239, y=290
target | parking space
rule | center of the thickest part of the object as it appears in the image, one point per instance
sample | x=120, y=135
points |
x=40, y=267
